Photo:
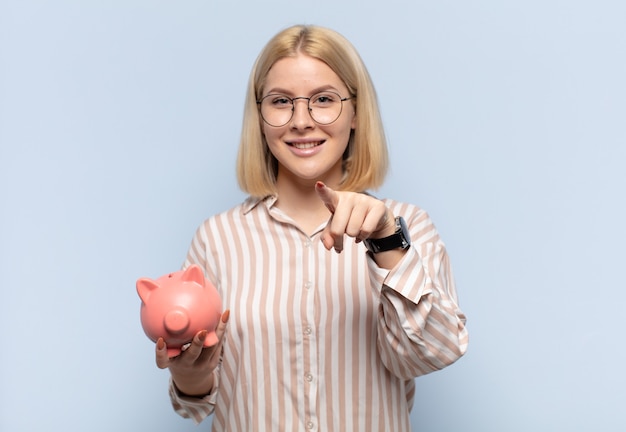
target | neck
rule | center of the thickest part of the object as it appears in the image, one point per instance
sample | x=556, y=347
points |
x=300, y=201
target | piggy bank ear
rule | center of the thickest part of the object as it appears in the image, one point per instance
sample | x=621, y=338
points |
x=145, y=286
x=194, y=274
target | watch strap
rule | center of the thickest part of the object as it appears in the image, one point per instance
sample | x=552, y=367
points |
x=398, y=240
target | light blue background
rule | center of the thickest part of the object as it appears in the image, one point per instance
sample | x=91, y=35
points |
x=119, y=123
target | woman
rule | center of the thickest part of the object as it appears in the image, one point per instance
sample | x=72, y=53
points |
x=311, y=339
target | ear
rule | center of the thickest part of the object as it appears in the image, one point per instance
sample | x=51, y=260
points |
x=145, y=286
x=194, y=274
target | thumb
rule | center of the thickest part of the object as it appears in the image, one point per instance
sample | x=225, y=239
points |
x=327, y=195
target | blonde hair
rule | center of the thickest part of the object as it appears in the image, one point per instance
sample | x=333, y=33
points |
x=365, y=161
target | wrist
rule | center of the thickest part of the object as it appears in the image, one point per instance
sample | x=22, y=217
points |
x=197, y=389
x=388, y=226
x=400, y=239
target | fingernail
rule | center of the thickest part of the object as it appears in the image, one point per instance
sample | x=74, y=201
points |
x=160, y=344
x=225, y=316
x=319, y=185
x=202, y=335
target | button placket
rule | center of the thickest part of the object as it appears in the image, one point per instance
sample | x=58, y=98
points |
x=309, y=312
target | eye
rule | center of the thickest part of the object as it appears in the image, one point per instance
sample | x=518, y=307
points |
x=324, y=99
x=279, y=101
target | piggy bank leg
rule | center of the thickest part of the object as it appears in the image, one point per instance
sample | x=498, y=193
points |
x=211, y=339
x=173, y=352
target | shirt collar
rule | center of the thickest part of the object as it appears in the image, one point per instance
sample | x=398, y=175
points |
x=251, y=202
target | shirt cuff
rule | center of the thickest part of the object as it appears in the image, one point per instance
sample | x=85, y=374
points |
x=407, y=278
x=196, y=408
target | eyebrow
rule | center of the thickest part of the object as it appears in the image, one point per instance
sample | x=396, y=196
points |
x=279, y=90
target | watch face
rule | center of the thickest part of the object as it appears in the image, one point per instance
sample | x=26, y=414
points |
x=404, y=229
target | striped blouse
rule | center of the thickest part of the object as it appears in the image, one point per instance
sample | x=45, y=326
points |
x=320, y=341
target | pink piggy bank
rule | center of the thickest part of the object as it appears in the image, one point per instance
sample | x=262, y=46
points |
x=178, y=305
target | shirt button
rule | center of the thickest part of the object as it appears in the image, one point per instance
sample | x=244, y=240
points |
x=308, y=377
x=310, y=425
x=308, y=284
x=308, y=330
x=307, y=243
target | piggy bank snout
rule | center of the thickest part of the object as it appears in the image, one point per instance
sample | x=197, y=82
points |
x=176, y=321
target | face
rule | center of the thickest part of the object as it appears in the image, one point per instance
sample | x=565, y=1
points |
x=307, y=151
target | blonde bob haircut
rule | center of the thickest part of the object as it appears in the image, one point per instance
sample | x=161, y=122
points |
x=365, y=161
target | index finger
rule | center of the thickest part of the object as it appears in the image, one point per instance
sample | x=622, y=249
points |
x=327, y=195
x=195, y=348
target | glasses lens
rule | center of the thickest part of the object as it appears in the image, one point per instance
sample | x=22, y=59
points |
x=276, y=109
x=325, y=107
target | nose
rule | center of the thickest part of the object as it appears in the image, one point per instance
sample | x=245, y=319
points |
x=301, y=118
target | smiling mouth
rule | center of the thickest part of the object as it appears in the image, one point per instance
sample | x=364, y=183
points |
x=305, y=145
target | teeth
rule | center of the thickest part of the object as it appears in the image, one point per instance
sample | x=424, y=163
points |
x=305, y=145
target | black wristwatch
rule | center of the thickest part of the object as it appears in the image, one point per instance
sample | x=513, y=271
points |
x=398, y=240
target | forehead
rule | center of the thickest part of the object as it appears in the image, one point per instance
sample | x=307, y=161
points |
x=301, y=73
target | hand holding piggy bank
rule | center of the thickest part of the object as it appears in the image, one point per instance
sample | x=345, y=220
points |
x=178, y=305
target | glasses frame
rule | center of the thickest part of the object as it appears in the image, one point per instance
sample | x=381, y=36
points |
x=308, y=104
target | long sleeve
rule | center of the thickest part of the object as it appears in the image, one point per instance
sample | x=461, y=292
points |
x=192, y=407
x=421, y=328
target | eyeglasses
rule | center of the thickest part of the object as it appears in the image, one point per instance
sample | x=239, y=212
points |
x=324, y=108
